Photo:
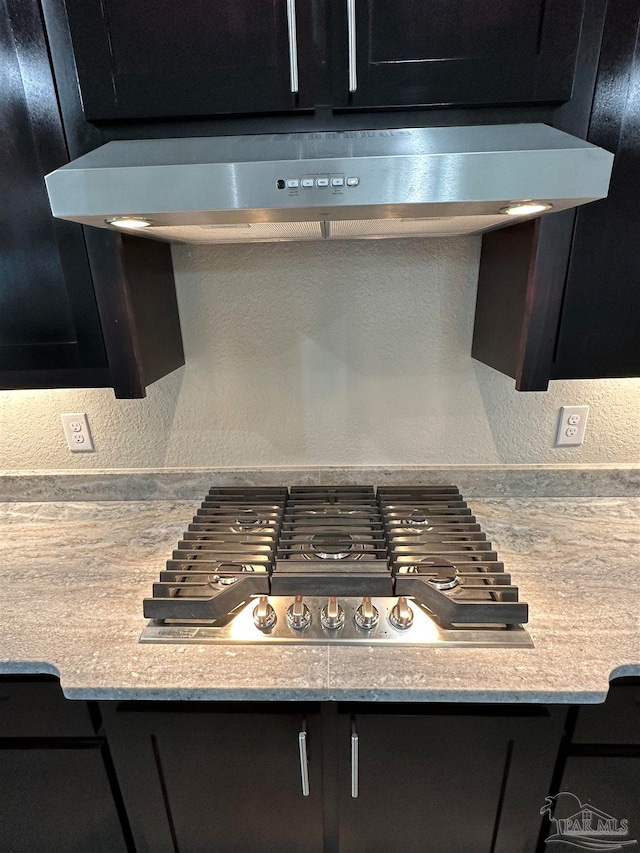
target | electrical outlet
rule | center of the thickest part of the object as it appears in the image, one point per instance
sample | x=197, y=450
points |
x=572, y=425
x=77, y=433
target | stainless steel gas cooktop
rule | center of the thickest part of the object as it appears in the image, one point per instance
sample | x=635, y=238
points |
x=336, y=565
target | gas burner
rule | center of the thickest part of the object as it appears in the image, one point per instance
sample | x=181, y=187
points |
x=333, y=510
x=334, y=545
x=444, y=581
x=222, y=580
x=248, y=521
x=416, y=521
x=236, y=567
x=445, y=577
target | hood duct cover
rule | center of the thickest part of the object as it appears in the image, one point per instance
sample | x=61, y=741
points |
x=439, y=181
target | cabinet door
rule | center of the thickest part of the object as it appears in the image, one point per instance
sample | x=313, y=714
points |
x=598, y=335
x=462, y=52
x=162, y=59
x=451, y=781
x=616, y=721
x=197, y=780
x=49, y=328
x=35, y=707
x=57, y=799
x=597, y=790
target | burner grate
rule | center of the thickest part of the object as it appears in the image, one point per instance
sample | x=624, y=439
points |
x=225, y=556
x=420, y=542
x=441, y=558
x=332, y=542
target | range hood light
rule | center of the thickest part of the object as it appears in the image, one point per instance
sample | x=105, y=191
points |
x=526, y=208
x=128, y=222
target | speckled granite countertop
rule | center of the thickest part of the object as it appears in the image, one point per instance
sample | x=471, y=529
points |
x=73, y=576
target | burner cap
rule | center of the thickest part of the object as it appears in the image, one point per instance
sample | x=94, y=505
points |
x=246, y=521
x=227, y=580
x=331, y=510
x=417, y=521
x=235, y=567
x=332, y=544
x=222, y=580
x=444, y=580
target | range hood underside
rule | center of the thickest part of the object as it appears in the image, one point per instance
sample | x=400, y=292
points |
x=345, y=229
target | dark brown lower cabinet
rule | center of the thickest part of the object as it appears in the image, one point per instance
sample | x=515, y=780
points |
x=606, y=790
x=448, y=779
x=57, y=798
x=274, y=777
x=200, y=778
x=58, y=793
x=600, y=776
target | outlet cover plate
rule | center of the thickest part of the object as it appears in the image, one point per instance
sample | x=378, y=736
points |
x=572, y=425
x=77, y=433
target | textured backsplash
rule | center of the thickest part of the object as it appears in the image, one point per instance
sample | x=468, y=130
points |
x=316, y=354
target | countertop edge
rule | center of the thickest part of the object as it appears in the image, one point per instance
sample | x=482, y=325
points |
x=288, y=694
x=500, y=697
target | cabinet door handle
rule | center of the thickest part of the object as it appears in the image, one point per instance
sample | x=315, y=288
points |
x=293, y=45
x=304, y=761
x=354, y=761
x=351, y=34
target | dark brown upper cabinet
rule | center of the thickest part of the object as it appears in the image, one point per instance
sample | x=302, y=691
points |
x=599, y=333
x=157, y=59
x=454, y=52
x=50, y=330
x=162, y=59
x=77, y=308
x=559, y=298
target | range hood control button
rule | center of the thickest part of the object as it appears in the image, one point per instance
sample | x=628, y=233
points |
x=337, y=182
x=293, y=184
x=353, y=182
x=366, y=616
x=307, y=182
x=322, y=182
x=298, y=615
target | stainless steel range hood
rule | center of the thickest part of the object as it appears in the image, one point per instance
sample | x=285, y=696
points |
x=437, y=181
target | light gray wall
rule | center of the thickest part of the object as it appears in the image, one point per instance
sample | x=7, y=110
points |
x=320, y=354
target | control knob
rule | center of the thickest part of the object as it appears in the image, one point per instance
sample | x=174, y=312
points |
x=366, y=616
x=298, y=615
x=332, y=615
x=264, y=616
x=401, y=615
